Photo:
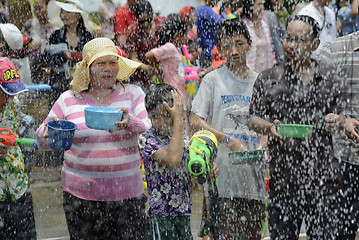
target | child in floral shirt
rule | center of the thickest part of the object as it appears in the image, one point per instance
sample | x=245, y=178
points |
x=15, y=212
x=165, y=158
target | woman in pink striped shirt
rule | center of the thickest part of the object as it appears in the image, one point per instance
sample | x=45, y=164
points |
x=101, y=179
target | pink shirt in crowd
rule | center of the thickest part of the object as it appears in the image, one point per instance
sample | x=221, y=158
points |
x=172, y=67
x=261, y=55
x=102, y=166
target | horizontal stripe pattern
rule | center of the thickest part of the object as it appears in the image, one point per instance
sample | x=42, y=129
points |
x=102, y=189
x=100, y=165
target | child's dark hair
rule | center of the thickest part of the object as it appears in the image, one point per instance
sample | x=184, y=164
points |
x=232, y=27
x=170, y=29
x=141, y=7
x=158, y=94
x=313, y=24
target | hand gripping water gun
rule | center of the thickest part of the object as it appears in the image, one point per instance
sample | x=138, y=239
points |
x=202, y=152
x=190, y=72
x=8, y=137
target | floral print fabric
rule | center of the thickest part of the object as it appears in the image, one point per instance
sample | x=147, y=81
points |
x=12, y=178
x=169, y=188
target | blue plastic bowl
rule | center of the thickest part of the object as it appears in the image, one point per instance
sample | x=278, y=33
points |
x=61, y=133
x=102, y=118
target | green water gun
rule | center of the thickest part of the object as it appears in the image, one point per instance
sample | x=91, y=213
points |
x=8, y=137
x=202, y=152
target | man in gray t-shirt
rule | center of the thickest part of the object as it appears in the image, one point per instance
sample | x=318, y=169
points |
x=222, y=107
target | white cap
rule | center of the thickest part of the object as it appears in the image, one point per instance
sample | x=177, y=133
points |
x=71, y=6
x=54, y=10
x=12, y=36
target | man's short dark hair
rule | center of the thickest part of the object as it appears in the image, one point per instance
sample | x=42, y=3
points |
x=313, y=24
x=141, y=7
x=232, y=27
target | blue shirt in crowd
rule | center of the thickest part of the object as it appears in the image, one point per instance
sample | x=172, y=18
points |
x=207, y=21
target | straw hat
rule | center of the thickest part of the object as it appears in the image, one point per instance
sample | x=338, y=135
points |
x=93, y=50
x=54, y=10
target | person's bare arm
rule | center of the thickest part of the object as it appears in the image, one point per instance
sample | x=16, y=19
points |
x=120, y=40
x=152, y=67
x=335, y=122
x=172, y=156
x=264, y=127
x=354, y=9
x=350, y=129
x=263, y=141
x=134, y=56
x=197, y=123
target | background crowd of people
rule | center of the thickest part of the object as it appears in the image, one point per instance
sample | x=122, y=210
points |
x=236, y=68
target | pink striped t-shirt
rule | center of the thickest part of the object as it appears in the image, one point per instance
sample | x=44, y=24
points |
x=102, y=166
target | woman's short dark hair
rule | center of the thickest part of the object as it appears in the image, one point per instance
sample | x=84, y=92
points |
x=170, y=29
x=141, y=7
x=158, y=94
x=314, y=26
x=232, y=27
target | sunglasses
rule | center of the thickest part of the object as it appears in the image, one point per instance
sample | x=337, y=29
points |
x=140, y=21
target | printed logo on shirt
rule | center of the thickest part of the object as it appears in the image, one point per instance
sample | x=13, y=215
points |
x=246, y=138
x=235, y=98
x=239, y=115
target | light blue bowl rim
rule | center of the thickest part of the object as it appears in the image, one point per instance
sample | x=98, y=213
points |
x=102, y=110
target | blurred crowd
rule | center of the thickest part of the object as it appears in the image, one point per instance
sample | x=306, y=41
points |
x=222, y=66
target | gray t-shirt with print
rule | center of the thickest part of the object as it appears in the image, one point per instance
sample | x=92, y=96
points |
x=223, y=101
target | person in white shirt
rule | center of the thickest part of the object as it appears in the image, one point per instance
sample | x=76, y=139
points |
x=325, y=17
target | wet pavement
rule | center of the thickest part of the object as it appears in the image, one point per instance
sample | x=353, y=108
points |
x=49, y=214
x=47, y=199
